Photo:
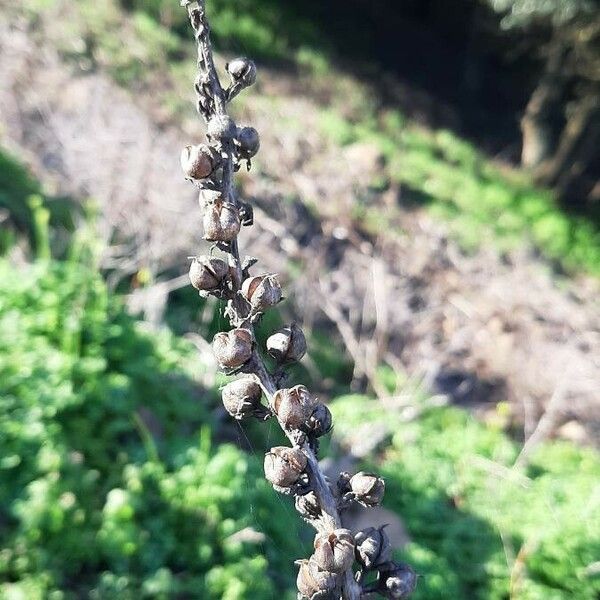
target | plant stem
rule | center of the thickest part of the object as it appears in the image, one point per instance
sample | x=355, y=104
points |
x=211, y=101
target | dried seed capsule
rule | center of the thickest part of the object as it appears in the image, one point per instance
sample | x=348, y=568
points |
x=208, y=197
x=248, y=142
x=221, y=128
x=293, y=406
x=320, y=421
x=198, y=162
x=242, y=70
x=233, y=348
x=287, y=344
x=367, y=488
x=221, y=222
x=313, y=583
x=241, y=397
x=308, y=505
x=262, y=291
x=397, y=582
x=207, y=274
x=373, y=547
x=335, y=551
x=283, y=466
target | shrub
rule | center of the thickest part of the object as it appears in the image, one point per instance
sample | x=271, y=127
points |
x=482, y=529
x=109, y=486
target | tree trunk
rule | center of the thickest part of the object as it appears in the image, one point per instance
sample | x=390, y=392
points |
x=536, y=124
x=575, y=147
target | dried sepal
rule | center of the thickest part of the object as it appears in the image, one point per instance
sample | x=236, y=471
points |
x=233, y=348
x=207, y=274
x=241, y=398
x=221, y=221
x=367, y=488
x=198, y=162
x=320, y=421
x=262, y=291
x=293, y=406
x=308, y=506
x=314, y=583
x=221, y=128
x=397, y=582
x=288, y=344
x=373, y=548
x=334, y=551
x=283, y=465
x=208, y=196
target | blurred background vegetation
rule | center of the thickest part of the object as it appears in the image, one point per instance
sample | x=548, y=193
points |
x=120, y=476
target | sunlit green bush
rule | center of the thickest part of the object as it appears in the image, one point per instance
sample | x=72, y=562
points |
x=110, y=486
x=480, y=529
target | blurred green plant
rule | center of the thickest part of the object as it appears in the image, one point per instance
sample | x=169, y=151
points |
x=25, y=211
x=109, y=483
x=482, y=529
x=480, y=200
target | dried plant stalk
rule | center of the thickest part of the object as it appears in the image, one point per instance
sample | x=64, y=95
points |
x=329, y=572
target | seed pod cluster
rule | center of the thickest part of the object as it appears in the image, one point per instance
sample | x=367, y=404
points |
x=262, y=291
x=221, y=128
x=242, y=71
x=283, y=465
x=314, y=583
x=308, y=505
x=320, y=421
x=233, y=348
x=327, y=574
x=241, y=398
x=198, y=162
x=293, y=406
x=397, y=582
x=287, y=345
x=221, y=222
x=373, y=547
x=368, y=489
x=207, y=274
x=335, y=551
x=247, y=142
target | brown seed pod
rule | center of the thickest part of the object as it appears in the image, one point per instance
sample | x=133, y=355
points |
x=233, y=348
x=373, y=547
x=262, y=291
x=198, y=162
x=221, y=222
x=313, y=583
x=283, y=466
x=208, y=197
x=241, y=397
x=308, y=505
x=397, y=582
x=367, y=488
x=221, y=128
x=320, y=421
x=207, y=274
x=334, y=551
x=247, y=141
x=288, y=344
x=242, y=70
x=293, y=406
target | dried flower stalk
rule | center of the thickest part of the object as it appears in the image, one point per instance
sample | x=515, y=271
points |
x=294, y=470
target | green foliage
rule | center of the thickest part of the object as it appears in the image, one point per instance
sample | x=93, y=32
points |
x=480, y=200
x=109, y=484
x=28, y=210
x=480, y=528
x=522, y=12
